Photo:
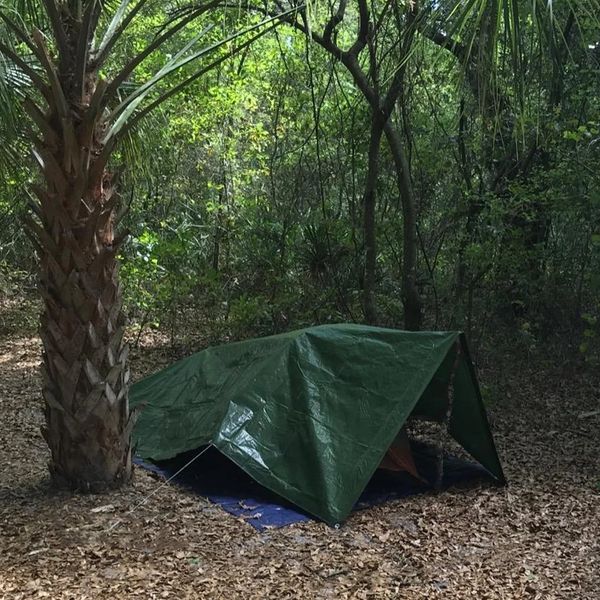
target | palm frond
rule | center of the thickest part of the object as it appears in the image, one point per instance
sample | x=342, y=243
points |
x=13, y=82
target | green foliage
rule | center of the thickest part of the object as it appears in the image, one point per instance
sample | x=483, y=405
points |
x=247, y=216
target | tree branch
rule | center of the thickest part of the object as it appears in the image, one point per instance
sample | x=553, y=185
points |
x=363, y=29
x=335, y=20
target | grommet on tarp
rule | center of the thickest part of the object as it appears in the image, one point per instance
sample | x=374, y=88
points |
x=337, y=525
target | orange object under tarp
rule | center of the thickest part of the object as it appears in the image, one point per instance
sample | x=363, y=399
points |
x=399, y=456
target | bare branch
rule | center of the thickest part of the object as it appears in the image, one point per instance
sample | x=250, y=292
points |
x=363, y=29
x=335, y=20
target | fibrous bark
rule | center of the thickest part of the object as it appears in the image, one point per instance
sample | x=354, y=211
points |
x=85, y=370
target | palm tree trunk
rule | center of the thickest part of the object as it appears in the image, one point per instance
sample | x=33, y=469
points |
x=85, y=368
x=85, y=372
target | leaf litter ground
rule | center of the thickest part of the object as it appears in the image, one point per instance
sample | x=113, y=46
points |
x=538, y=538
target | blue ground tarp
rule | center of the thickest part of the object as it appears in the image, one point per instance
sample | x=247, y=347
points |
x=215, y=477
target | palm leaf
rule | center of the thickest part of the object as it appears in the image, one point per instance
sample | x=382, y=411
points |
x=122, y=112
x=127, y=107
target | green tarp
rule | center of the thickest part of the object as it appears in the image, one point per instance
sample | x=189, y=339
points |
x=310, y=414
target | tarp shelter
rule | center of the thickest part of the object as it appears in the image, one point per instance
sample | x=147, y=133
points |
x=310, y=414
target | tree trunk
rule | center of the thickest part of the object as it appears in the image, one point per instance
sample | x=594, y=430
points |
x=79, y=117
x=369, y=228
x=411, y=299
x=85, y=369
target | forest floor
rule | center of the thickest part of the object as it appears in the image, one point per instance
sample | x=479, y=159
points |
x=537, y=538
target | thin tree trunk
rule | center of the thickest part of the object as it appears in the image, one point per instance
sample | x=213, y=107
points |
x=411, y=299
x=369, y=228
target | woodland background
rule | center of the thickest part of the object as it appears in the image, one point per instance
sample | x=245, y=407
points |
x=245, y=194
